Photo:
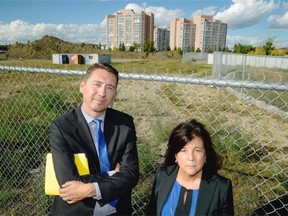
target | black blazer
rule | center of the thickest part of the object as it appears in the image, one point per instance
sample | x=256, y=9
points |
x=70, y=134
x=215, y=193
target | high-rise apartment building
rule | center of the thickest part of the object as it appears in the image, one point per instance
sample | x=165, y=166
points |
x=128, y=27
x=202, y=32
x=161, y=39
x=182, y=32
x=210, y=34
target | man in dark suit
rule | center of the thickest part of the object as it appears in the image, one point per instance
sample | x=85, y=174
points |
x=74, y=133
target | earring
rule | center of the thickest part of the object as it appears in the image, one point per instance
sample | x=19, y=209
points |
x=176, y=161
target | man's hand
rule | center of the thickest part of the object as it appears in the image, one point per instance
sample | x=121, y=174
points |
x=117, y=168
x=74, y=191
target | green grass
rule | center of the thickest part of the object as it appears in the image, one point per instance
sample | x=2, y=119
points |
x=29, y=101
x=147, y=66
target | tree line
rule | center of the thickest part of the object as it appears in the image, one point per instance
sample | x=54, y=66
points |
x=48, y=45
x=267, y=48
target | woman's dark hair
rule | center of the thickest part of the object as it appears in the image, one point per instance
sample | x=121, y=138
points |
x=184, y=133
x=109, y=68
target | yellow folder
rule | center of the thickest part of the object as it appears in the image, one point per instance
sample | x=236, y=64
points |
x=51, y=183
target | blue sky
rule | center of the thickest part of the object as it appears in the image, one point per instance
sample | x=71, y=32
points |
x=249, y=21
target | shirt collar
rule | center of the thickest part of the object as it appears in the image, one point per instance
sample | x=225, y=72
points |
x=88, y=118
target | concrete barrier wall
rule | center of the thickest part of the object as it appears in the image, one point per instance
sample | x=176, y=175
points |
x=233, y=59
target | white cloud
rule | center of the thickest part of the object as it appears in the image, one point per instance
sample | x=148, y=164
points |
x=162, y=16
x=135, y=7
x=243, y=13
x=240, y=14
x=280, y=42
x=254, y=41
x=19, y=30
x=278, y=22
x=209, y=11
x=22, y=31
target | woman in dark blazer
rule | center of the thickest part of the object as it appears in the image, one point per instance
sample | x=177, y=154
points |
x=188, y=183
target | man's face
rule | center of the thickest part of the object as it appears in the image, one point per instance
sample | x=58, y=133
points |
x=98, y=92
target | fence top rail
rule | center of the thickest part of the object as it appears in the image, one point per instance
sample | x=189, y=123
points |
x=207, y=81
x=280, y=86
x=41, y=70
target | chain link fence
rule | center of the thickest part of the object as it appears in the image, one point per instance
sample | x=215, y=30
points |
x=247, y=117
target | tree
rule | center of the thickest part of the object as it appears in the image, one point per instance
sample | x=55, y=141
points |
x=277, y=52
x=137, y=46
x=192, y=49
x=210, y=50
x=4, y=47
x=268, y=45
x=244, y=49
x=121, y=47
x=226, y=49
x=180, y=51
x=259, y=51
x=131, y=48
x=149, y=46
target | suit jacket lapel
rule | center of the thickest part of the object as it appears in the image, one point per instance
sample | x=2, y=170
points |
x=165, y=188
x=82, y=131
x=109, y=130
x=206, y=193
x=111, y=134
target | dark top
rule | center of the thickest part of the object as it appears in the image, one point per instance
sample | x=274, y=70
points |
x=174, y=204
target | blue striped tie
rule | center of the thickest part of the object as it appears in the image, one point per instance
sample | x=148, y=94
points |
x=102, y=151
x=102, y=148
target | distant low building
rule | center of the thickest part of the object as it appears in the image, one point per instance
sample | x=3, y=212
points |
x=81, y=58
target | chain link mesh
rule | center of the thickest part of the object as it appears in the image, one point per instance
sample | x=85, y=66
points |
x=247, y=120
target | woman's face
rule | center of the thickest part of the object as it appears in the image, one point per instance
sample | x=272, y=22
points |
x=191, y=157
